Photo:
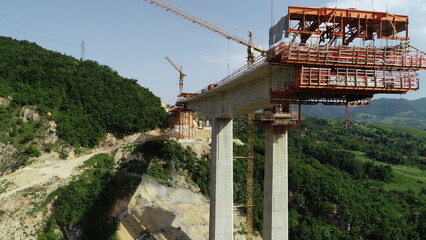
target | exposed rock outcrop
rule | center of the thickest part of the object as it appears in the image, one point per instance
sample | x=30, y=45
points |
x=8, y=158
x=12, y=154
x=50, y=136
x=29, y=115
x=164, y=212
x=5, y=101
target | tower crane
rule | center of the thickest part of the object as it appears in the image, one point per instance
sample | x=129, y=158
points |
x=181, y=74
x=210, y=26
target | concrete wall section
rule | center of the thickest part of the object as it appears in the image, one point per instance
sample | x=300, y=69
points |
x=221, y=181
x=281, y=76
x=275, y=208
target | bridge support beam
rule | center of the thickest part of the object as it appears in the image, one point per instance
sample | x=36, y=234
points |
x=275, y=206
x=221, y=181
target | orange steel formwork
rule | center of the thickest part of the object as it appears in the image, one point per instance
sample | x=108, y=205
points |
x=342, y=74
x=182, y=118
x=397, y=57
x=348, y=24
x=347, y=78
x=184, y=122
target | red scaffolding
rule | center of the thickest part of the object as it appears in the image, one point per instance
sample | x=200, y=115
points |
x=183, y=121
x=397, y=57
x=342, y=74
x=347, y=24
x=349, y=78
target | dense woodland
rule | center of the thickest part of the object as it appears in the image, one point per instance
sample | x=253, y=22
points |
x=85, y=99
x=338, y=193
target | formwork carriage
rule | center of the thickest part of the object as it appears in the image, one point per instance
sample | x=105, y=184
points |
x=328, y=70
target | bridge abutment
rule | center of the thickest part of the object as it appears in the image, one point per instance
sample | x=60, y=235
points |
x=275, y=206
x=221, y=180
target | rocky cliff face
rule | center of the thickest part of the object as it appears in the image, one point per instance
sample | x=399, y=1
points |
x=161, y=212
x=29, y=115
x=9, y=158
x=26, y=135
x=164, y=212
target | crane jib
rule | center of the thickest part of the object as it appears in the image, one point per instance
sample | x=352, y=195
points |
x=203, y=23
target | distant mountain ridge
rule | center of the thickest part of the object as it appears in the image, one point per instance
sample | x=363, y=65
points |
x=390, y=111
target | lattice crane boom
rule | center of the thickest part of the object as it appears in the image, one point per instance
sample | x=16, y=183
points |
x=203, y=23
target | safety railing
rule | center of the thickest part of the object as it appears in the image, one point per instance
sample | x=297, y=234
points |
x=249, y=66
x=259, y=60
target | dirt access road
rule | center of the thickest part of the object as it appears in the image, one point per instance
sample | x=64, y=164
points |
x=43, y=172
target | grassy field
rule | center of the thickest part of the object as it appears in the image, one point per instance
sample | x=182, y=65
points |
x=405, y=177
x=414, y=131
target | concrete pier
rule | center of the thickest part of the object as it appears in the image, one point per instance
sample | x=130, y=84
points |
x=275, y=206
x=221, y=181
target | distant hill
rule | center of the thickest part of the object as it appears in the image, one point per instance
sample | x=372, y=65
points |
x=365, y=182
x=398, y=112
x=84, y=98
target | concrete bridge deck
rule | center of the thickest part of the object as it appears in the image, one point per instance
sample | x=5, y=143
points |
x=246, y=91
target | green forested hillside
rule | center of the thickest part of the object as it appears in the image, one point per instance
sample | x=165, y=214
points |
x=399, y=112
x=362, y=183
x=86, y=99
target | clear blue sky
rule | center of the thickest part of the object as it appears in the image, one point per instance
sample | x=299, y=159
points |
x=133, y=37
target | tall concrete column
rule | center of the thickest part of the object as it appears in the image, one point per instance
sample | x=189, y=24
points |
x=221, y=181
x=275, y=206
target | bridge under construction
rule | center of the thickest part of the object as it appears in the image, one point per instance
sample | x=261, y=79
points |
x=312, y=59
